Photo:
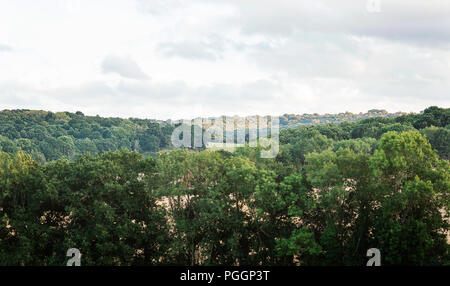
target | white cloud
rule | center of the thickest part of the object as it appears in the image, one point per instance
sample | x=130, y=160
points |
x=5, y=48
x=123, y=66
x=201, y=50
x=210, y=57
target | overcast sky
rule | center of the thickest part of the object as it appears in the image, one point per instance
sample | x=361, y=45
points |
x=182, y=59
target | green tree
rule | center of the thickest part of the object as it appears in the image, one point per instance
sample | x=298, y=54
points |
x=413, y=188
x=24, y=235
x=343, y=200
x=438, y=138
x=109, y=210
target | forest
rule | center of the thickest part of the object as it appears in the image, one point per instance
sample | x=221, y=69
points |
x=116, y=190
x=48, y=136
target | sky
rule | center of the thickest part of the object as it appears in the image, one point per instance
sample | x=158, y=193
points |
x=174, y=59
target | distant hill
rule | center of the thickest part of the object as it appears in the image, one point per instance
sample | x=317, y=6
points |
x=293, y=120
x=48, y=136
x=297, y=120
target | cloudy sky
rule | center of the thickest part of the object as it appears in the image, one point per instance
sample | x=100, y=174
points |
x=186, y=58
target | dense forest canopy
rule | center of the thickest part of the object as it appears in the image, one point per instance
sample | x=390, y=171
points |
x=48, y=136
x=334, y=191
x=295, y=120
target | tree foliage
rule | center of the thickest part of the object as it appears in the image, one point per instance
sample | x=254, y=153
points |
x=333, y=192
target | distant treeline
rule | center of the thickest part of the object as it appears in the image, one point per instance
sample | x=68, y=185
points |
x=434, y=123
x=295, y=120
x=48, y=136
